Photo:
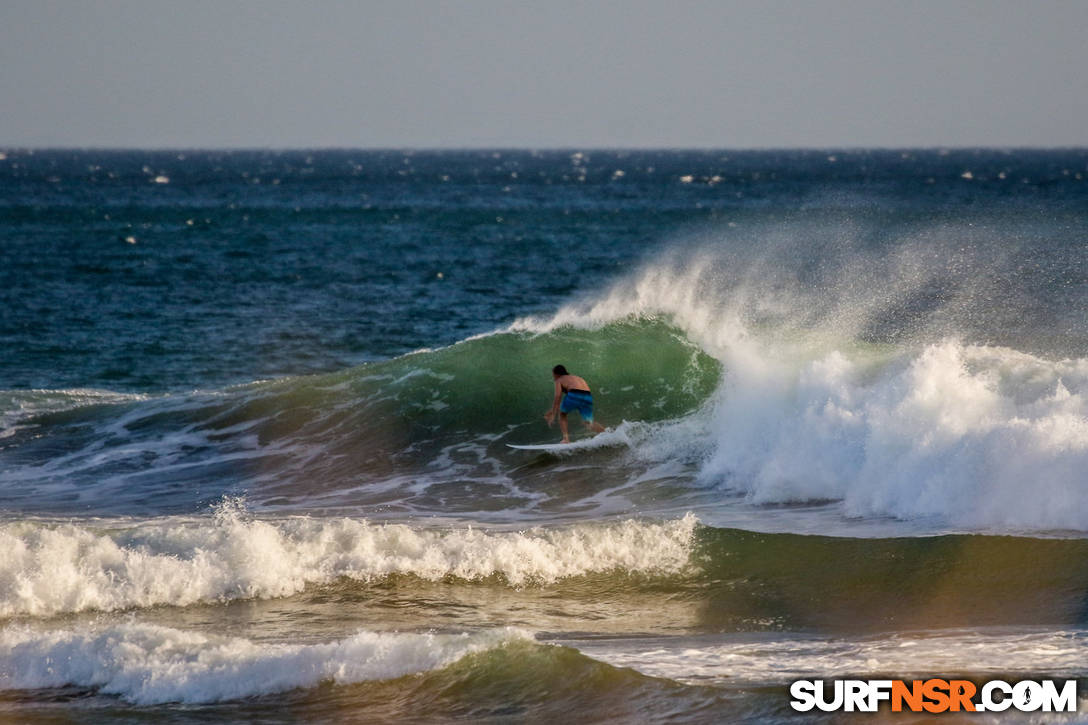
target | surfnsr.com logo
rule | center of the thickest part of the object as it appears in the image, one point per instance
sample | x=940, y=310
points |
x=934, y=695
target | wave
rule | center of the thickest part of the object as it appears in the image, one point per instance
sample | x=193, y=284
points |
x=480, y=675
x=19, y=406
x=715, y=579
x=64, y=568
x=939, y=379
x=872, y=377
x=748, y=661
x=969, y=436
x=755, y=581
x=379, y=433
x=148, y=664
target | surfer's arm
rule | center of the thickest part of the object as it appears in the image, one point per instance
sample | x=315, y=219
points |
x=550, y=415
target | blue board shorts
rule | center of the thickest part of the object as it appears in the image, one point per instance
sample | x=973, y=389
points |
x=580, y=400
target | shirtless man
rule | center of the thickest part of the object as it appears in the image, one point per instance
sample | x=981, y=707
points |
x=571, y=393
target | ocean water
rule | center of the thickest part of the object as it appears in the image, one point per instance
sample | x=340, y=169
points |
x=255, y=408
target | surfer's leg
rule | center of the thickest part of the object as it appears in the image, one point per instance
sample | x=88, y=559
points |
x=563, y=427
x=586, y=410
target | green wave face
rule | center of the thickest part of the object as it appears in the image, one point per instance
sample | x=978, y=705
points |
x=520, y=681
x=798, y=582
x=416, y=404
x=445, y=413
x=638, y=371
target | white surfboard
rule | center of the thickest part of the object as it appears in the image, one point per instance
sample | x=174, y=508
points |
x=610, y=438
x=582, y=445
x=543, y=447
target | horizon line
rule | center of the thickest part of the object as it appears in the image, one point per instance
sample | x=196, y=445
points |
x=540, y=149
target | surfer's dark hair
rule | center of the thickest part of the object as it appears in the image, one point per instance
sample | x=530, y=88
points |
x=559, y=370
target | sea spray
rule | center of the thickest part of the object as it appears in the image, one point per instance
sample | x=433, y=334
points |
x=956, y=433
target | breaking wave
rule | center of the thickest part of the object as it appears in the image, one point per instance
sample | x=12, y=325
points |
x=148, y=664
x=53, y=569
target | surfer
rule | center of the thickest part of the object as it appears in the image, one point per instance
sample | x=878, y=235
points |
x=571, y=393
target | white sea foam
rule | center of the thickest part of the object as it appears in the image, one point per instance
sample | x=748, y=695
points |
x=762, y=660
x=148, y=664
x=56, y=568
x=18, y=405
x=975, y=436
x=960, y=435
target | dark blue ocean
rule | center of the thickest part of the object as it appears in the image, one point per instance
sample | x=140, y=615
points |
x=255, y=408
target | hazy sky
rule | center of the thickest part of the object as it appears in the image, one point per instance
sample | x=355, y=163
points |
x=215, y=73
